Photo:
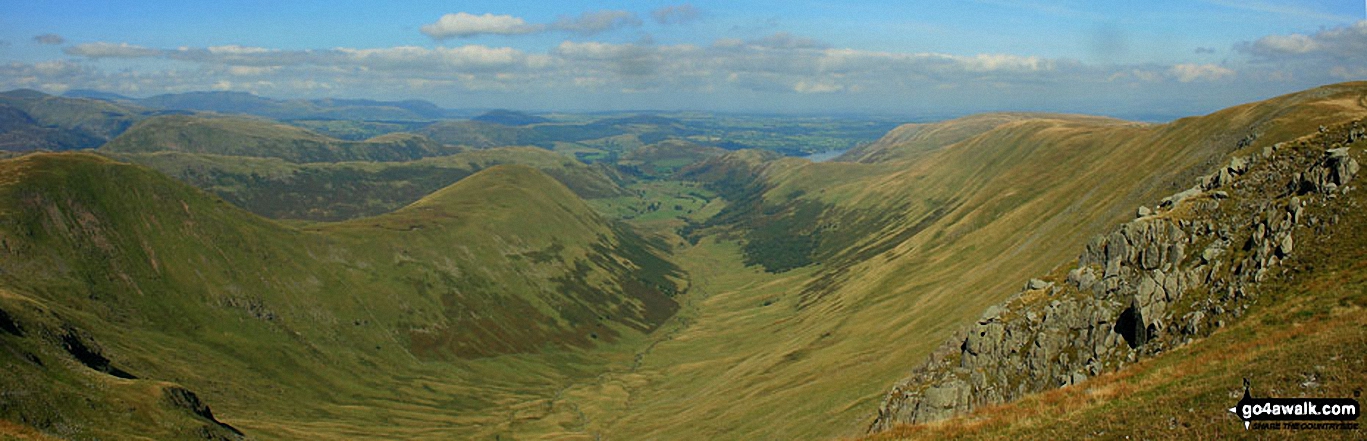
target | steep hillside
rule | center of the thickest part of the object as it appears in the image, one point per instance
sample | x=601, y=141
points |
x=1270, y=244
x=235, y=136
x=279, y=328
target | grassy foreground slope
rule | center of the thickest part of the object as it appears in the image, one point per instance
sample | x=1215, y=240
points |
x=123, y=284
x=909, y=251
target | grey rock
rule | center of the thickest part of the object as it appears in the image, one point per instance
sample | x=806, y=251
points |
x=992, y=313
x=1238, y=165
x=1285, y=246
x=940, y=402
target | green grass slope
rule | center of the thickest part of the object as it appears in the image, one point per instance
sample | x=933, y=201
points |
x=287, y=332
x=238, y=136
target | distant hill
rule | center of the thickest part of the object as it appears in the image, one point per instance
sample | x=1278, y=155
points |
x=665, y=158
x=237, y=136
x=250, y=104
x=275, y=188
x=483, y=134
x=97, y=95
x=476, y=134
x=509, y=118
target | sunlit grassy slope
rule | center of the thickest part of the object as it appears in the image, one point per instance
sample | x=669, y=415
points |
x=339, y=330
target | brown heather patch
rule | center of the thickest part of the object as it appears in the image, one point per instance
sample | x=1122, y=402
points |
x=11, y=431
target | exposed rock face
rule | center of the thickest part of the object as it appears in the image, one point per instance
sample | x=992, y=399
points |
x=1151, y=285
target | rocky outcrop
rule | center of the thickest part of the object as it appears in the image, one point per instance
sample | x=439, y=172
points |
x=1172, y=274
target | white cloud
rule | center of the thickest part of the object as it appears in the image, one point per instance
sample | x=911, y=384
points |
x=1287, y=44
x=1330, y=55
x=470, y=57
x=1187, y=73
x=1003, y=62
x=233, y=49
x=463, y=24
x=111, y=50
x=1344, y=42
x=246, y=71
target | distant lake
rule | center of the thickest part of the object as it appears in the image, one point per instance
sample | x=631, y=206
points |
x=825, y=156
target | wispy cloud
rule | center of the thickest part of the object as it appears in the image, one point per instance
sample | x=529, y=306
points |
x=1281, y=8
x=1054, y=8
x=51, y=39
x=676, y=14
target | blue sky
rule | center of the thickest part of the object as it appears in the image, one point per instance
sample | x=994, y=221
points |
x=914, y=58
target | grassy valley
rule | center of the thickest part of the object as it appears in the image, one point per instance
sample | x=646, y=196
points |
x=651, y=276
